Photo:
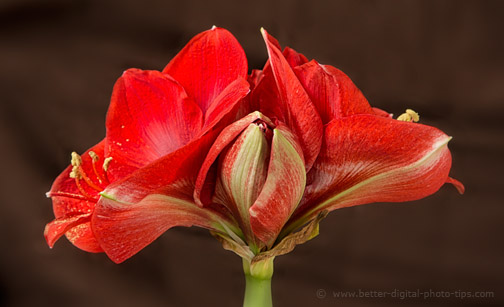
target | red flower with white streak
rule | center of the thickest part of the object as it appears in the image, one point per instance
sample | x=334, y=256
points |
x=176, y=155
x=314, y=146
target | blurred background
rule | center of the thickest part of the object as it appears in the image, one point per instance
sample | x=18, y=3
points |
x=444, y=59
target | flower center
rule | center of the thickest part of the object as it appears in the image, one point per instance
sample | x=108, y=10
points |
x=265, y=129
x=79, y=174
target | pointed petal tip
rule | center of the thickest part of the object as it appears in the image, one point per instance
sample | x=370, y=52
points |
x=264, y=34
x=457, y=184
x=50, y=239
x=49, y=242
x=208, y=63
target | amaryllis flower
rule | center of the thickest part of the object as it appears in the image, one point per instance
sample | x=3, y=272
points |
x=177, y=153
x=156, y=121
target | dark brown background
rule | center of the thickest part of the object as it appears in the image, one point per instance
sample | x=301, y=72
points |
x=59, y=60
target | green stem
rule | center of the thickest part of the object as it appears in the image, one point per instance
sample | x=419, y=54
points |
x=258, y=283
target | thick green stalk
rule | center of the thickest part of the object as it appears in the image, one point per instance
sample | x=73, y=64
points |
x=258, y=283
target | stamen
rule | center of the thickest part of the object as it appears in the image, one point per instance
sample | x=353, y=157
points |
x=78, y=173
x=414, y=115
x=106, y=163
x=95, y=158
x=81, y=189
x=93, y=155
x=88, y=181
x=76, y=159
x=409, y=116
x=75, y=173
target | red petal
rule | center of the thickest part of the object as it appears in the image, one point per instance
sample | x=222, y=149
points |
x=149, y=117
x=254, y=77
x=225, y=102
x=208, y=64
x=368, y=159
x=293, y=57
x=265, y=97
x=180, y=166
x=72, y=204
x=332, y=92
x=301, y=117
x=55, y=229
x=83, y=237
x=205, y=186
x=123, y=229
x=382, y=113
x=136, y=210
x=283, y=188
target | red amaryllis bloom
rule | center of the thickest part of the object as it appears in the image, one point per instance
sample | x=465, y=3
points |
x=365, y=155
x=156, y=121
x=314, y=146
x=177, y=153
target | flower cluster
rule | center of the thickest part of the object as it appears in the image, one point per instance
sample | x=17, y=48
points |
x=258, y=159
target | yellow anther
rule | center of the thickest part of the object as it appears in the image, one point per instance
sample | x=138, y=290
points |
x=78, y=173
x=93, y=156
x=75, y=173
x=409, y=116
x=414, y=115
x=106, y=163
x=76, y=159
x=76, y=162
x=405, y=117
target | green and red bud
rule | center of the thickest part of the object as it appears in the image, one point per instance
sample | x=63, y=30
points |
x=259, y=174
